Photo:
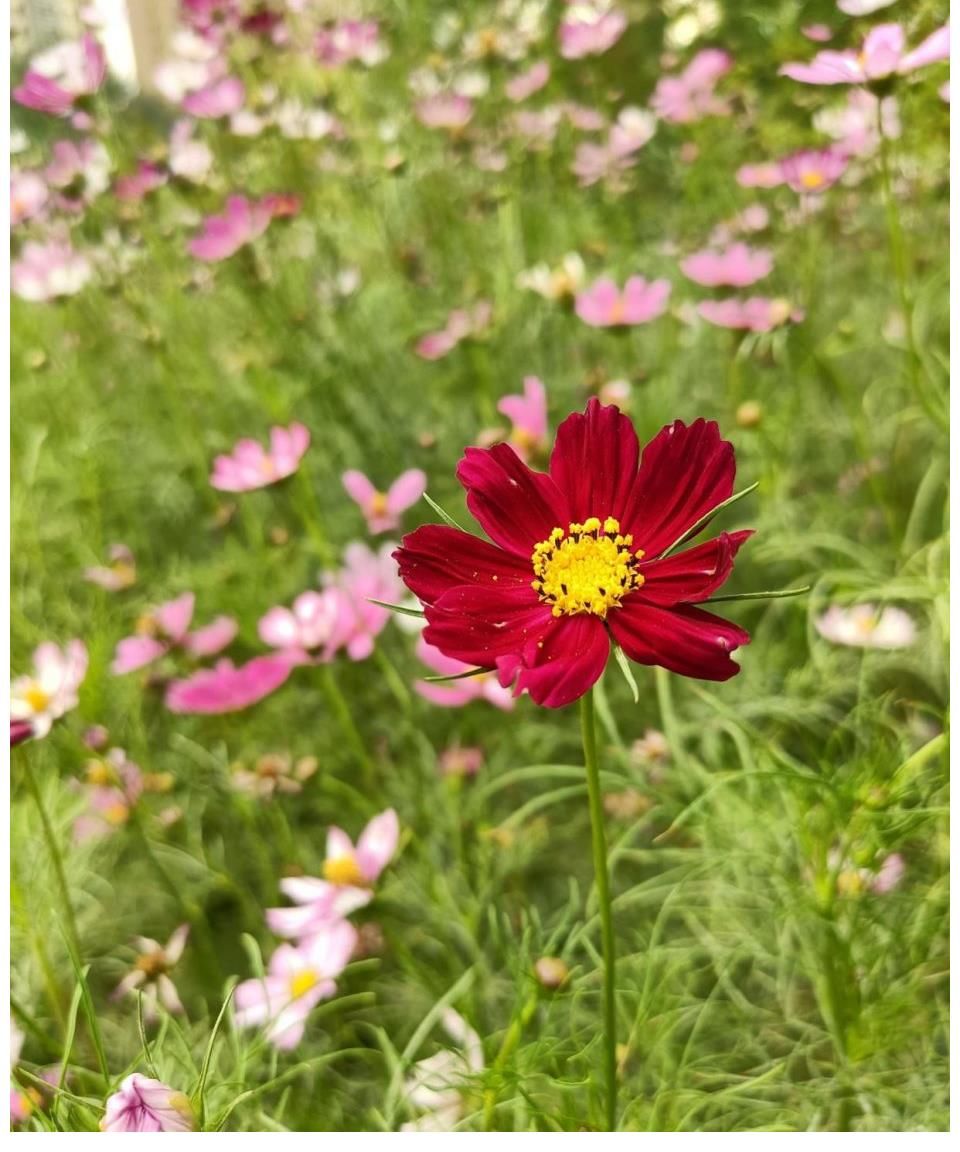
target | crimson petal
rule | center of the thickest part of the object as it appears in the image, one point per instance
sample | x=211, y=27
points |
x=684, y=640
x=517, y=508
x=566, y=661
x=594, y=461
x=685, y=471
x=477, y=624
x=433, y=559
x=686, y=577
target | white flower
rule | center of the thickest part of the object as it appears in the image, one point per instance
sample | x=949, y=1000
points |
x=44, y=697
x=150, y=972
x=555, y=283
x=435, y=1084
x=866, y=626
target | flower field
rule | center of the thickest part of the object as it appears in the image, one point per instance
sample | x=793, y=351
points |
x=479, y=570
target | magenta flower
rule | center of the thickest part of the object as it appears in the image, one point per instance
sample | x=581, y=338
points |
x=757, y=314
x=881, y=56
x=603, y=305
x=447, y=110
x=166, y=628
x=528, y=414
x=141, y=1104
x=349, y=874
x=522, y=87
x=812, y=171
x=316, y=620
x=690, y=96
x=250, y=465
x=365, y=576
x=590, y=28
x=461, y=324
x=382, y=510
x=297, y=980
x=736, y=266
x=47, y=271
x=61, y=76
x=138, y=184
x=28, y=195
x=227, y=687
x=456, y=693
x=241, y=223
x=220, y=98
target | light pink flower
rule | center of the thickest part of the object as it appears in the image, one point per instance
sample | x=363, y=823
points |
x=365, y=576
x=138, y=184
x=819, y=33
x=80, y=170
x=250, y=465
x=538, y=127
x=756, y=314
x=150, y=973
x=241, y=222
x=221, y=98
x=690, y=96
x=28, y=195
x=736, y=266
x=313, y=622
x=456, y=693
x=382, y=510
x=866, y=626
x=350, y=40
x=603, y=305
x=528, y=414
x=349, y=874
x=523, y=86
x=166, y=628
x=853, y=124
x=890, y=874
x=46, y=271
x=120, y=573
x=590, y=28
x=52, y=689
x=458, y=760
x=297, y=979
x=812, y=171
x=141, y=1104
x=228, y=688
x=882, y=55
x=760, y=176
x=863, y=7
x=188, y=158
x=461, y=324
x=61, y=76
x=447, y=110
x=113, y=785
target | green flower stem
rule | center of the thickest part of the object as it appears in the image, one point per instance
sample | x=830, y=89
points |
x=341, y=710
x=510, y=1041
x=56, y=856
x=589, y=734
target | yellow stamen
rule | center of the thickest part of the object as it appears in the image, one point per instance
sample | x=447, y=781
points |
x=301, y=983
x=588, y=568
x=36, y=697
x=343, y=870
x=378, y=504
x=812, y=180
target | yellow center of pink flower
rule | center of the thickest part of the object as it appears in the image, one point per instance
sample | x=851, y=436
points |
x=587, y=568
x=36, y=697
x=344, y=871
x=812, y=180
x=378, y=504
x=301, y=983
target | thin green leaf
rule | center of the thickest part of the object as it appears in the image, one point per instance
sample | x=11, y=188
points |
x=71, y=1032
x=400, y=609
x=627, y=671
x=208, y=1055
x=89, y=1011
x=144, y=1042
x=456, y=676
x=444, y=516
x=707, y=517
x=780, y=594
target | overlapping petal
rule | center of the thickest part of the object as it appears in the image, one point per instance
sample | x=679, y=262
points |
x=692, y=575
x=682, y=639
x=477, y=624
x=594, y=461
x=565, y=661
x=433, y=559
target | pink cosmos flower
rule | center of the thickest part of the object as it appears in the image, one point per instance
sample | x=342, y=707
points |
x=250, y=465
x=812, y=171
x=603, y=305
x=141, y=1104
x=39, y=699
x=447, y=110
x=866, y=626
x=736, y=266
x=349, y=874
x=538, y=127
x=365, y=576
x=458, y=760
x=760, y=176
x=690, y=96
x=166, y=628
x=316, y=620
x=150, y=973
x=853, y=124
x=350, y=40
x=819, y=33
x=241, y=223
x=297, y=980
x=528, y=414
x=120, y=573
x=523, y=86
x=590, y=28
x=456, y=693
x=80, y=170
x=594, y=162
x=756, y=314
x=461, y=324
x=221, y=98
x=28, y=195
x=881, y=56
x=228, y=688
x=61, y=76
x=890, y=874
x=188, y=158
x=46, y=271
x=113, y=785
x=382, y=510
x=138, y=184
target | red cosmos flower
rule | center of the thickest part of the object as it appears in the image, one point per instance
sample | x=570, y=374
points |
x=577, y=558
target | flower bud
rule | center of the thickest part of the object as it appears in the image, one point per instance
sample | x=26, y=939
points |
x=551, y=972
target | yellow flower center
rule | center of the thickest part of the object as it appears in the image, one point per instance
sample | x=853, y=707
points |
x=301, y=983
x=343, y=870
x=812, y=180
x=36, y=697
x=378, y=504
x=589, y=567
x=117, y=814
